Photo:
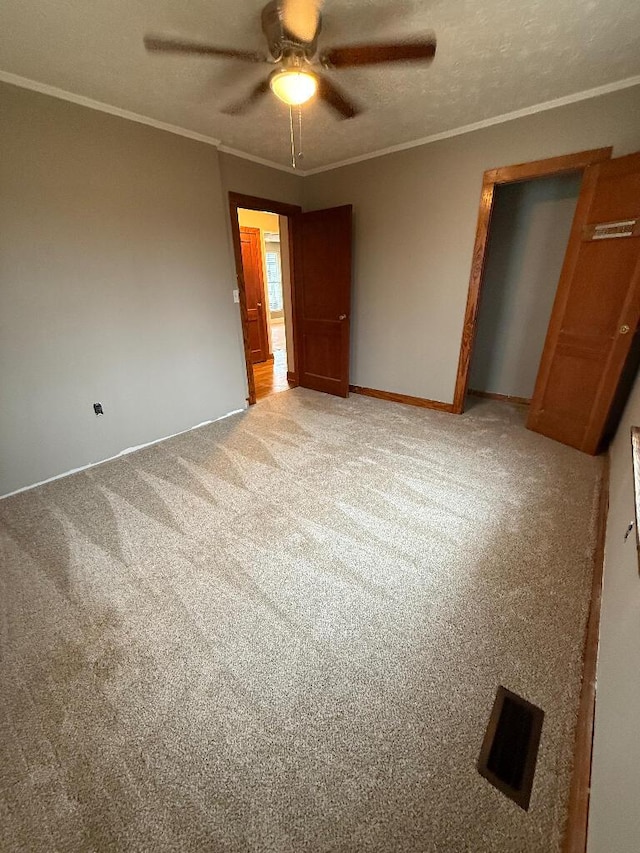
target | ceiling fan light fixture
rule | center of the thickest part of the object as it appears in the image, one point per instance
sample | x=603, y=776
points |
x=294, y=87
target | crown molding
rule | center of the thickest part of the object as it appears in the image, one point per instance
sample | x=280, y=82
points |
x=54, y=92
x=81, y=100
x=606, y=89
x=225, y=149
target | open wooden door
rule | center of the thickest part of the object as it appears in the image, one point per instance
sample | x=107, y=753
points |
x=592, y=334
x=254, y=290
x=322, y=291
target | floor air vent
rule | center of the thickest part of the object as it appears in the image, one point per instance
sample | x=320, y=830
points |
x=510, y=746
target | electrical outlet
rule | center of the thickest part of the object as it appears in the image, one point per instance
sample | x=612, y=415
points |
x=97, y=408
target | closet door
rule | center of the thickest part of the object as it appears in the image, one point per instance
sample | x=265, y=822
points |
x=596, y=312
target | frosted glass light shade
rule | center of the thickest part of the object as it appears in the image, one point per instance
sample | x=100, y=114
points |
x=294, y=87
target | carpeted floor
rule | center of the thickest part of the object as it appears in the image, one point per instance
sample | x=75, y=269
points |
x=284, y=632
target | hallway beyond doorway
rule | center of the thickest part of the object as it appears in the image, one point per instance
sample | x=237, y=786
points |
x=267, y=282
x=271, y=376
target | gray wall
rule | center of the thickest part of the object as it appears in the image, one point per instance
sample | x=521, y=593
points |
x=244, y=176
x=422, y=206
x=115, y=286
x=116, y=268
x=528, y=237
x=614, y=817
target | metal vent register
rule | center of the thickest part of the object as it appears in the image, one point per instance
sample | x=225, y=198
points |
x=510, y=747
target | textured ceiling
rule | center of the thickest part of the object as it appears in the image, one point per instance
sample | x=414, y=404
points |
x=494, y=57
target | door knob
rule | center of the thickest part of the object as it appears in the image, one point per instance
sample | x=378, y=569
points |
x=624, y=329
x=342, y=317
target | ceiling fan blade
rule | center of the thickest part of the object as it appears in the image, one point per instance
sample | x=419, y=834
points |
x=353, y=55
x=241, y=106
x=171, y=45
x=301, y=18
x=333, y=97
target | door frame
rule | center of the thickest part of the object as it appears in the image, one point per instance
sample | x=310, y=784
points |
x=565, y=164
x=249, y=202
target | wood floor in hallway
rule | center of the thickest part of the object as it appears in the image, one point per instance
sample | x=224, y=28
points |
x=270, y=377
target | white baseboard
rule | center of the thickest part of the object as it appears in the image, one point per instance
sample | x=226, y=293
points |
x=118, y=455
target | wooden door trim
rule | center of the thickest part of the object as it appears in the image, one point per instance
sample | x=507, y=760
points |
x=250, y=202
x=491, y=179
x=550, y=166
x=473, y=297
x=575, y=831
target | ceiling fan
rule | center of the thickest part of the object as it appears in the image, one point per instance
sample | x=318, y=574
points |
x=291, y=28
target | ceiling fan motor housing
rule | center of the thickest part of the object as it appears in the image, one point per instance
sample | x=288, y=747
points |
x=282, y=42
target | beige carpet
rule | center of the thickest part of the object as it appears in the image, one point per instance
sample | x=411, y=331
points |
x=284, y=632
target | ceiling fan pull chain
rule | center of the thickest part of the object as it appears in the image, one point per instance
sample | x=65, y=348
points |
x=300, y=155
x=293, y=144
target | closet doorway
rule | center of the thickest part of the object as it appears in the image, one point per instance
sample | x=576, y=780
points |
x=591, y=350
x=493, y=180
x=530, y=227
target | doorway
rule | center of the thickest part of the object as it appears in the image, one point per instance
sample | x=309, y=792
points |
x=592, y=345
x=528, y=236
x=267, y=280
x=570, y=164
x=315, y=267
x=262, y=233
